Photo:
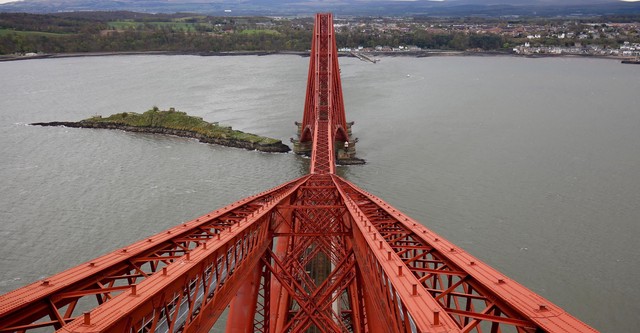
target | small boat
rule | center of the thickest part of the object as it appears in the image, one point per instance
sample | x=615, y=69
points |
x=632, y=61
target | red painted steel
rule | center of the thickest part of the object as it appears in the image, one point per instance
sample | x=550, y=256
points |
x=324, y=99
x=316, y=254
x=322, y=157
x=63, y=297
x=460, y=289
x=317, y=267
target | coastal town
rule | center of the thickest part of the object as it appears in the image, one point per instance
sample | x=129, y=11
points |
x=100, y=32
x=521, y=37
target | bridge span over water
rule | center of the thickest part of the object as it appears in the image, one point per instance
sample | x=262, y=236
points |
x=316, y=254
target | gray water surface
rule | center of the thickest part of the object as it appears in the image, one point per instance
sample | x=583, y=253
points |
x=531, y=165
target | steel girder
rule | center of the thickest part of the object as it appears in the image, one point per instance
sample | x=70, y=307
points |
x=247, y=303
x=337, y=258
x=322, y=157
x=59, y=300
x=324, y=103
x=316, y=270
x=461, y=292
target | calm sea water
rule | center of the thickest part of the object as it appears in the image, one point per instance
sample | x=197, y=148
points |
x=532, y=165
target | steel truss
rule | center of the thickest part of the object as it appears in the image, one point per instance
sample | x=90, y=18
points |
x=61, y=299
x=316, y=254
x=460, y=292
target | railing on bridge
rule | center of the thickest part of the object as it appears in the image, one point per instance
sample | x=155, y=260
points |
x=316, y=254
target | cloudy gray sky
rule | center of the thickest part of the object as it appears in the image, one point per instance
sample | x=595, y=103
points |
x=492, y=1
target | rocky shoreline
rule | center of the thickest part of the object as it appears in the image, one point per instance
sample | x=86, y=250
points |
x=277, y=147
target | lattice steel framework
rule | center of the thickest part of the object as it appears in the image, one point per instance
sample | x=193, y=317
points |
x=316, y=254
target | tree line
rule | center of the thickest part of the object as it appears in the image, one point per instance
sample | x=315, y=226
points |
x=127, y=32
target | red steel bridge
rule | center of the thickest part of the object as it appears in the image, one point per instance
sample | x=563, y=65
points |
x=316, y=254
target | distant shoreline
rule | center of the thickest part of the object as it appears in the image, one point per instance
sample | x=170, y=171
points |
x=413, y=54
x=108, y=54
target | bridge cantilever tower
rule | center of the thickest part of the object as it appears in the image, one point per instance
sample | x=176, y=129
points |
x=324, y=105
x=316, y=254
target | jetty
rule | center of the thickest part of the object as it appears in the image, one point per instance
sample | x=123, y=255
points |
x=364, y=57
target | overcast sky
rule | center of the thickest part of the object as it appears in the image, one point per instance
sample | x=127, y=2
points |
x=494, y=1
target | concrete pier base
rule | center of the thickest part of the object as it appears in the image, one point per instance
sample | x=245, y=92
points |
x=345, y=153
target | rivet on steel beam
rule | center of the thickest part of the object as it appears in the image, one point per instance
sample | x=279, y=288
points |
x=87, y=318
x=542, y=307
x=164, y=271
x=424, y=231
x=149, y=240
x=374, y=236
x=168, y=231
x=380, y=244
x=415, y=289
x=452, y=250
x=369, y=228
x=45, y=282
x=188, y=256
x=204, y=246
x=388, y=255
x=92, y=264
x=472, y=263
x=134, y=290
x=400, y=270
x=436, y=317
x=124, y=250
x=197, y=220
x=436, y=239
x=218, y=236
x=500, y=281
x=184, y=225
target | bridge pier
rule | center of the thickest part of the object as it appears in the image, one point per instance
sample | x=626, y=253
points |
x=345, y=153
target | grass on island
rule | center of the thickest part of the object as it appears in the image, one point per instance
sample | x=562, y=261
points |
x=181, y=121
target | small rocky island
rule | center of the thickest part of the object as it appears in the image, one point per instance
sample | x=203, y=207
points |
x=178, y=123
